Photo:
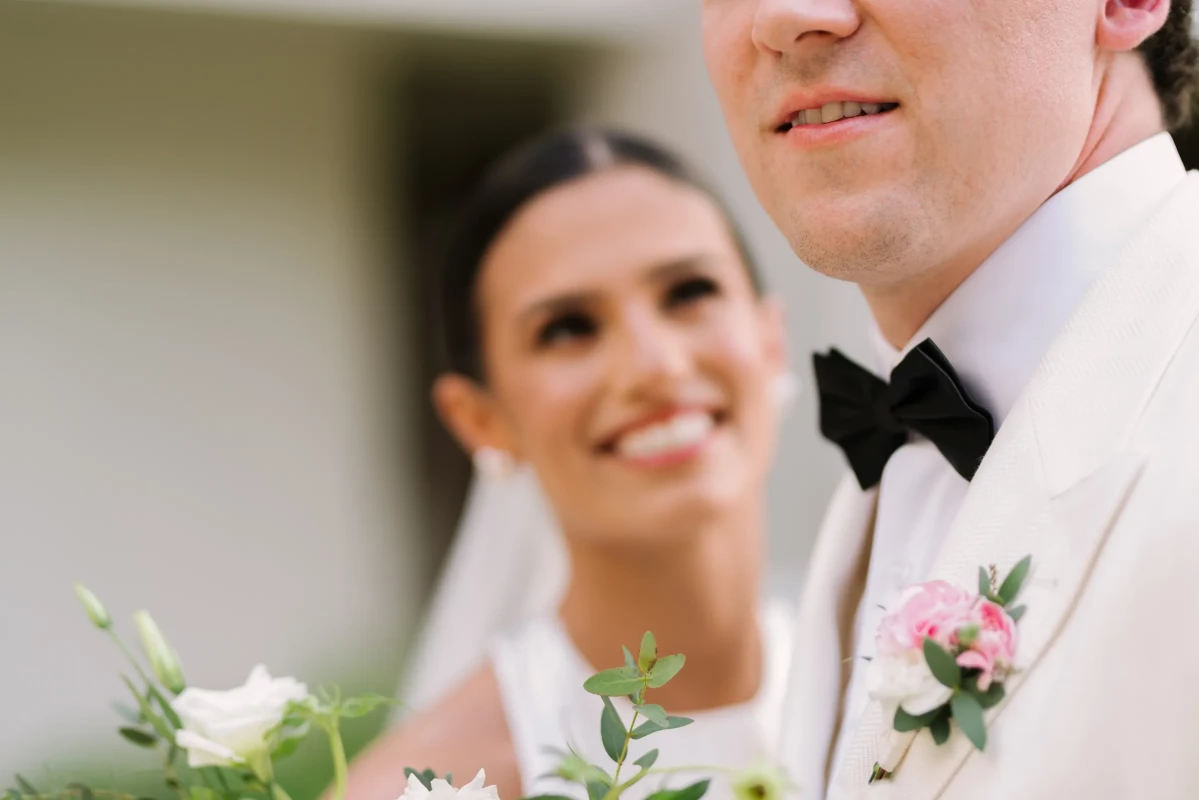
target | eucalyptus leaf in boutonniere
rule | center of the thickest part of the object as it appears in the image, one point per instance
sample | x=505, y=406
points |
x=943, y=657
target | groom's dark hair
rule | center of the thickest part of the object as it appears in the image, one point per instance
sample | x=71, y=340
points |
x=1173, y=59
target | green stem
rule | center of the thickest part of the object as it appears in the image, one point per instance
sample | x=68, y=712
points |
x=340, y=770
x=278, y=792
x=171, y=774
x=220, y=776
x=129, y=656
x=675, y=770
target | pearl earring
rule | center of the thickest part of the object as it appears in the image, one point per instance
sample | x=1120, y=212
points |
x=493, y=464
x=786, y=391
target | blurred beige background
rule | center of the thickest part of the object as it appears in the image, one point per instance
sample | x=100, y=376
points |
x=215, y=220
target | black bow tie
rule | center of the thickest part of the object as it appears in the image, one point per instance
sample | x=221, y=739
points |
x=870, y=419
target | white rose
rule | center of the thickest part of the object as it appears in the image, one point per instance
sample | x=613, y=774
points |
x=904, y=680
x=441, y=790
x=224, y=729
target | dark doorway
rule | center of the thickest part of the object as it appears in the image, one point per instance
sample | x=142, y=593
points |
x=464, y=103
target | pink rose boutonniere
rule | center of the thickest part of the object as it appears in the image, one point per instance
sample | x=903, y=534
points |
x=944, y=654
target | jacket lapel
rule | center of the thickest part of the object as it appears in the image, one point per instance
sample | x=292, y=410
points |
x=824, y=629
x=1058, y=473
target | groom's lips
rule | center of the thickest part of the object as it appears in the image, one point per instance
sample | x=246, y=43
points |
x=832, y=115
x=815, y=99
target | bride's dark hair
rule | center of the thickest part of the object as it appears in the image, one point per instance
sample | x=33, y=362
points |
x=514, y=180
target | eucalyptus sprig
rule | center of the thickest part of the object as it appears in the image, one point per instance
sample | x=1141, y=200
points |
x=634, y=680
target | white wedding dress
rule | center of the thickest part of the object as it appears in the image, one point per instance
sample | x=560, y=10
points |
x=541, y=675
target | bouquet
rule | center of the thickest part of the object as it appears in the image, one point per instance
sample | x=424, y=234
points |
x=223, y=745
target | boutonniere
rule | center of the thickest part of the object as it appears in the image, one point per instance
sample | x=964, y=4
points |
x=943, y=657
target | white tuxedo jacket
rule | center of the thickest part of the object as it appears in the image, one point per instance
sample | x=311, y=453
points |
x=1095, y=473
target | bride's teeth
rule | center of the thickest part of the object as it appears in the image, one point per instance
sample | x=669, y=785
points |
x=870, y=108
x=831, y=112
x=812, y=116
x=679, y=432
x=852, y=109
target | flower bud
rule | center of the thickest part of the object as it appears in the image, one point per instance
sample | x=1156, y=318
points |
x=163, y=659
x=96, y=611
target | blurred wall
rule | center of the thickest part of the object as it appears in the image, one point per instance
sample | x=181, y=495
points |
x=196, y=401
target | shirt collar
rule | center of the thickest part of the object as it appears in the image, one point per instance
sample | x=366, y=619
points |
x=1000, y=321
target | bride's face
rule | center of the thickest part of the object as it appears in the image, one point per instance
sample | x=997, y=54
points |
x=629, y=359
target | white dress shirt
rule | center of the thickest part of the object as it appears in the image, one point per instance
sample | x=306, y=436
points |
x=994, y=329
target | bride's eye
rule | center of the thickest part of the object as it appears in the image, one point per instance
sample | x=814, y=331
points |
x=566, y=327
x=691, y=290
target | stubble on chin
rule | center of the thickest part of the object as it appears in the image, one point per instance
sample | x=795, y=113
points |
x=862, y=251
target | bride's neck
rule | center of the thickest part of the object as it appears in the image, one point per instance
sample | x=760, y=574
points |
x=698, y=593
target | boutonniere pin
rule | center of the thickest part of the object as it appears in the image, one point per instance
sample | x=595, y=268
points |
x=943, y=656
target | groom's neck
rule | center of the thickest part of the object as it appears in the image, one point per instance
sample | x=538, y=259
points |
x=1127, y=112
x=698, y=593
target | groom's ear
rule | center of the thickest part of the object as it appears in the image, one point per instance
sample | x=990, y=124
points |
x=1125, y=24
x=468, y=412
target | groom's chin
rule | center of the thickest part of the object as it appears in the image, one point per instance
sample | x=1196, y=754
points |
x=862, y=245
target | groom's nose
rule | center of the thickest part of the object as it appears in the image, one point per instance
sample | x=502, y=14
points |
x=783, y=26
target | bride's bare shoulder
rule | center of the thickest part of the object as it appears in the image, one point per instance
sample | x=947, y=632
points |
x=462, y=734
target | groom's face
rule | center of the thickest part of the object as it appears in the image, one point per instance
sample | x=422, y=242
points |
x=891, y=137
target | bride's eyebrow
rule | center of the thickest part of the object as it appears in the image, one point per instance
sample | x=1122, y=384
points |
x=678, y=267
x=656, y=273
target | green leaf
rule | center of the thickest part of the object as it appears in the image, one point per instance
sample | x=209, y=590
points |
x=138, y=737
x=287, y=746
x=666, y=668
x=1014, y=581
x=990, y=698
x=647, y=760
x=126, y=713
x=614, y=682
x=984, y=582
x=944, y=668
x=168, y=711
x=646, y=728
x=968, y=634
x=612, y=731
x=968, y=714
x=629, y=661
x=1017, y=612
x=425, y=777
x=940, y=729
x=147, y=711
x=548, y=797
x=83, y=790
x=905, y=722
x=12, y=794
x=649, y=652
x=654, y=713
x=24, y=785
x=355, y=707
x=596, y=790
x=692, y=792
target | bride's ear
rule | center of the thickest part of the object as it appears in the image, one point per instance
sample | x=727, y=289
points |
x=469, y=413
x=773, y=331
